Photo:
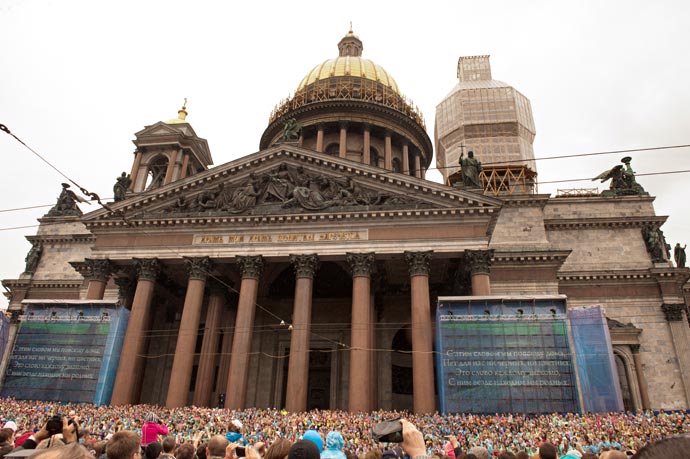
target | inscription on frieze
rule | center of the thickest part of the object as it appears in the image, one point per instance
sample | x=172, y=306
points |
x=272, y=238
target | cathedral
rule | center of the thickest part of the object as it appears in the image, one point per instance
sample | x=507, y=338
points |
x=314, y=273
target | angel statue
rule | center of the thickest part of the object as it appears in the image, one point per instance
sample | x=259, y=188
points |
x=623, y=181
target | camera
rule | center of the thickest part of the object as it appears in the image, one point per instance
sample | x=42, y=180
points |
x=388, y=431
x=54, y=425
x=240, y=451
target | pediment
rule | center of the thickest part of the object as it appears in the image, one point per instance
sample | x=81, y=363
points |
x=287, y=180
x=164, y=129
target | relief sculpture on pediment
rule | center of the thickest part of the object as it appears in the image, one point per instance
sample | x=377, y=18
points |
x=284, y=187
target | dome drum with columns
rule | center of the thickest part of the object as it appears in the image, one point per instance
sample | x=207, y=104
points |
x=352, y=108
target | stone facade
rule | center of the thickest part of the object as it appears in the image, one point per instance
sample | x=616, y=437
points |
x=246, y=222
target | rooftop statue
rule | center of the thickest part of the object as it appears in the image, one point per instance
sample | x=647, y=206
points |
x=66, y=204
x=471, y=167
x=623, y=181
x=121, y=185
x=679, y=255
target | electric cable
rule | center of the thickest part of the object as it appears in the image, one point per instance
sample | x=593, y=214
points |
x=95, y=197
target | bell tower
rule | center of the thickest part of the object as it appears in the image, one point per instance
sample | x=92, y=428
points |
x=166, y=152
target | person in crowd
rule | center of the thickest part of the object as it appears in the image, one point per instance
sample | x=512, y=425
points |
x=216, y=446
x=315, y=437
x=124, y=445
x=185, y=451
x=547, y=451
x=279, y=449
x=481, y=453
x=6, y=441
x=668, y=448
x=153, y=450
x=168, y=447
x=304, y=449
x=151, y=429
x=334, y=446
x=234, y=434
x=71, y=451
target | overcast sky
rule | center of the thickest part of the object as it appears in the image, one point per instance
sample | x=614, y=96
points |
x=79, y=78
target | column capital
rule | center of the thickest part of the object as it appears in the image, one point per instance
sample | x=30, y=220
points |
x=343, y=124
x=673, y=312
x=250, y=266
x=147, y=268
x=361, y=264
x=419, y=262
x=198, y=267
x=124, y=286
x=635, y=348
x=366, y=126
x=305, y=265
x=99, y=270
x=479, y=260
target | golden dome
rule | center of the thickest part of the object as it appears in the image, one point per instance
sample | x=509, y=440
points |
x=349, y=66
x=349, y=63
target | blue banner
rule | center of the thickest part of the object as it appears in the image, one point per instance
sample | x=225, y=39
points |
x=504, y=355
x=66, y=352
x=595, y=360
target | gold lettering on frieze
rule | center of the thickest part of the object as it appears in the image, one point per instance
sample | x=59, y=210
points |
x=260, y=238
x=280, y=238
x=212, y=240
x=340, y=236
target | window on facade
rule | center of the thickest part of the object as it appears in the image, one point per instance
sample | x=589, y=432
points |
x=397, y=167
x=156, y=174
x=375, y=158
x=333, y=149
x=624, y=382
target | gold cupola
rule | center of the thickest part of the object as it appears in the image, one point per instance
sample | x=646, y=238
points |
x=352, y=107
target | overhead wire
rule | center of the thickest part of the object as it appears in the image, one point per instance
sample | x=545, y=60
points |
x=340, y=345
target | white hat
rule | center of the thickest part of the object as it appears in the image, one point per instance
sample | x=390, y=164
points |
x=237, y=423
x=10, y=425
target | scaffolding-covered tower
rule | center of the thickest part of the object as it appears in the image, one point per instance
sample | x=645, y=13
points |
x=492, y=119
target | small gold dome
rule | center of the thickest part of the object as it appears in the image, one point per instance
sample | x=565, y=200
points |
x=181, y=115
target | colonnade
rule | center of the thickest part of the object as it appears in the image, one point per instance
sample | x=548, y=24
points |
x=131, y=366
x=344, y=130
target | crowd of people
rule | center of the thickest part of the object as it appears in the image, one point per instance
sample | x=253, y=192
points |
x=450, y=436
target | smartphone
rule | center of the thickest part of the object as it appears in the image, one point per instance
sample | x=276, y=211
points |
x=239, y=451
x=388, y=431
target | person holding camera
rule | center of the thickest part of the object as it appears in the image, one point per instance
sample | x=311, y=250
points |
x=55, y=425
